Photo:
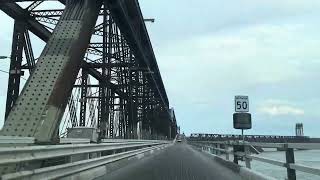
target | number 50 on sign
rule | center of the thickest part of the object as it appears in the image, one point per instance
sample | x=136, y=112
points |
x=241, y=103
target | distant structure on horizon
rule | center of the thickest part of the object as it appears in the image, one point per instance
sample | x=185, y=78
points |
x=299, y=129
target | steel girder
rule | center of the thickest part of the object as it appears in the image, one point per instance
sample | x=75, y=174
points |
x=20, y=43
x=15, y=71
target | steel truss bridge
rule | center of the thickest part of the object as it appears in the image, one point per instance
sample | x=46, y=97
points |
x=97, y=69
x=94, y=103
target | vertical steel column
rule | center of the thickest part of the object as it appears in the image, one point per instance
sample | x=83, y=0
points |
x=101, y=110
x=20, y=42
x=111, y=113
x=136, y=104
x=146, y=112
x=109, y=100
x=15, y=72
x=153, y=115
x=151, y=112
x=121, y=117
x=102, y=118
x=121, y=71
x=83, y=100
x=144, y=97
x=130, y=100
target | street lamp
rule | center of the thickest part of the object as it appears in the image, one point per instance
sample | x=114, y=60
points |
x=14, y=71
x=149, y=20
x=4, y=57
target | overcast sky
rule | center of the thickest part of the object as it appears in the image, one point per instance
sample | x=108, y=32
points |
x=211, y=50
x=208, y=51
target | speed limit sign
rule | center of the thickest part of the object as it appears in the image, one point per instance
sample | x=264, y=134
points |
x=241, y=103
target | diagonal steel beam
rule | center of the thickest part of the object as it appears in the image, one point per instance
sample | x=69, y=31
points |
x=16, y=12
x=97, y=75
x=40, y=107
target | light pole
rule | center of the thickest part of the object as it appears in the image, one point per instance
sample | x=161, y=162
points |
x=149, y=20
x=4, y=57
x=15, y=71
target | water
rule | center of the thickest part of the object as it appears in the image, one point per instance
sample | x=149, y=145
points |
x=304, y=157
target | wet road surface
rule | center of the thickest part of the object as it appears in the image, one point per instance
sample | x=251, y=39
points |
x=177, y=162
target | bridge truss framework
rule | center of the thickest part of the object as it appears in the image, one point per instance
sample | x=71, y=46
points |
x=116, y=86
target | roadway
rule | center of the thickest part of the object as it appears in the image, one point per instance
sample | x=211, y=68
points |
x=177, y=162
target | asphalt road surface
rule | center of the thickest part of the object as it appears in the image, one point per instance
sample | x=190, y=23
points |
x=177, y=162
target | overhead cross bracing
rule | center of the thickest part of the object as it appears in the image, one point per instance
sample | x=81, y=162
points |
x=129, y=88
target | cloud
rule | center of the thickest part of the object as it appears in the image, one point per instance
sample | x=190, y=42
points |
x=259, y=54
x=280, y=108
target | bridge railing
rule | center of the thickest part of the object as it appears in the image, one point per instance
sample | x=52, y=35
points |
x=56, y=161
x=232, y=147
x=253, y=138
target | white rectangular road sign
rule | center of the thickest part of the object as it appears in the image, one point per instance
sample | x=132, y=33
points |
x=241, y=103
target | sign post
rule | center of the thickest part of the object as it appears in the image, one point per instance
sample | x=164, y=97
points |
x=241, y=120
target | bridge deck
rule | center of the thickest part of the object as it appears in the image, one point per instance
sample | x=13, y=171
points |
x=178, y=162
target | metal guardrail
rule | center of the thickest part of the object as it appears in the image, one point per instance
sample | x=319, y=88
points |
x=217, y=147
x=30, y=153
x=73, y=141
x=75, y=157
x=63, y=170
x=253, y=138
x=31, y=140
x=130, y=140
x=5, y=140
